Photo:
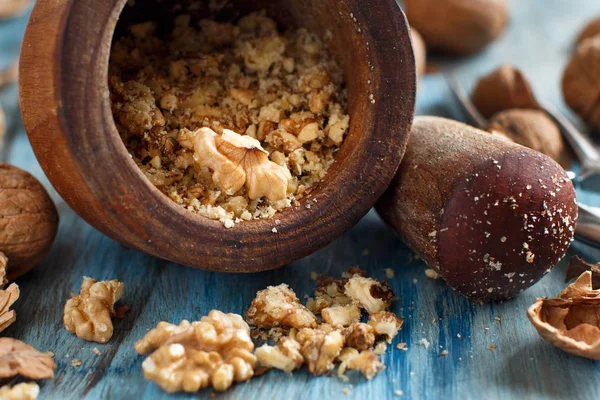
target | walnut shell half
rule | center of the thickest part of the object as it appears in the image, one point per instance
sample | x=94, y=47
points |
x=571, y=321
x=581, y=81
x=503, y=89
x=28, y=220
x=457, y=26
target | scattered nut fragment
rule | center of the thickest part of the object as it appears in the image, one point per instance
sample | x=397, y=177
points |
x=578, y=266
x=7, y=297
x=76, y=362
x=457, y=26
x=18, y=358
x=29, y=220
x=320, y=347
x=503, y=89
x=581, y=81
x=284, y=356
x=591, y=29
x=20, y=391
x=360, y=336
x=571, y=321
x=366, y=362
x=279, y=306
x=341, y=315
x=89, y=313
x=329, y=292
x=431, y=273
x=533, y=129
x=217, y=351
x=386, y=324
x=371, y=295
x=12, y=8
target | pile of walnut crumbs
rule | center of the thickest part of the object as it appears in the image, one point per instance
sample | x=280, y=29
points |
x=235, y=122
x=218, y=350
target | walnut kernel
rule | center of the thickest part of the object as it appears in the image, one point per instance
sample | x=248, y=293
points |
x=285, y=355
x=89, y=313
x=20, y=391
x=386, y=324
x=320, y=347
x=215, y=351
x=371, y=295
x=341, y=315
x=279, y=306
x=18, y=358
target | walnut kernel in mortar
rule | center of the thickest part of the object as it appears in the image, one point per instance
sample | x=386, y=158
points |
x=215, y=351
x=502, y=89
x=234, y=122
x=89, y=313
x=571, y=321
x=581, y=81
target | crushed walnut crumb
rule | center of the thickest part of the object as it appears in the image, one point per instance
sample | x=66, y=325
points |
x=178, y=100
x=20, y=391
x=279, y=306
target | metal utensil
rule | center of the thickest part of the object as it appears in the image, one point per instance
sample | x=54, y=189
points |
x=588, y=224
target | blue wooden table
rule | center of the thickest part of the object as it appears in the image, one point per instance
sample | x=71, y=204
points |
x=539, y=41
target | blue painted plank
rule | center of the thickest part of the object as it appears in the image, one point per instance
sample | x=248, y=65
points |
x=523, y=366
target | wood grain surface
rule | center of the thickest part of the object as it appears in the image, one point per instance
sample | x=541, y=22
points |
x=523, y=366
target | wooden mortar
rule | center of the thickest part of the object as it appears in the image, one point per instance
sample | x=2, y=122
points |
x=66, y=110
x=490, y=216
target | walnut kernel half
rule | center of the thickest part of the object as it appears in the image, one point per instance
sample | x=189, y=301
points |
x=88, y=314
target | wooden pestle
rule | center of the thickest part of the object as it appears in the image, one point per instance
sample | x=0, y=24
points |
x=490, y=216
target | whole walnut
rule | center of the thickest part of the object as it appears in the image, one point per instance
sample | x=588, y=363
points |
x=581, y=81
x=457, y=26
x=533, y=129
x=591, y=29
x=28, y=220
x=503, y=89
x=420, y=52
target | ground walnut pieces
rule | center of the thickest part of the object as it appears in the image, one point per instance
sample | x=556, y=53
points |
x=235, y=122
x=571, y=321
x=215, y=351
x=340, y=338
x=89, y=313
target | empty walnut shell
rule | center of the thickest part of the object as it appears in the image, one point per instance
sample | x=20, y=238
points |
x=590, y=30
x=533, y=129
x=503, y=89
x=457, y=26
x=28, y=220
x=571, y=321
x=581, y=82
x=420, y=52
